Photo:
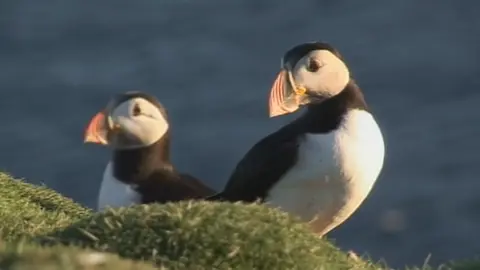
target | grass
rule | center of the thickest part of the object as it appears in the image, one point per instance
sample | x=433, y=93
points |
x=187, y=235
x=27, y=210
x=20, y=256
x=42, y=230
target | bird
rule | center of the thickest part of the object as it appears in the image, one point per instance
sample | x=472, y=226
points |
x=135, y=126
x=322, y=165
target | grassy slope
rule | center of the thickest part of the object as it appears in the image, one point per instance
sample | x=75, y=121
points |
x=27, y=210
x=19, y=256
x=208, y=234
x=187, y=235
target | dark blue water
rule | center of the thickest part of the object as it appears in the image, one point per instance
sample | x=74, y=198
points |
x=211, y=64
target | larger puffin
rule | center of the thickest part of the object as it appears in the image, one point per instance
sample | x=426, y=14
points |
x=135, y=125
x=321, y=166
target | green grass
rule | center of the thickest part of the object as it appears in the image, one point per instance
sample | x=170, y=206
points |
x=19, y=256
x=187, y=235
x=42, y=230
x=27, y=210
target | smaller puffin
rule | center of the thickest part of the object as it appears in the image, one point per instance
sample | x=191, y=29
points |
x=321, y=166
x=135, y=125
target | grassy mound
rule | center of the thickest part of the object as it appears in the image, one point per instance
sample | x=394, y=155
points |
x=187, y=235
x=28, y=210
x=205, y=235
x=28, y=257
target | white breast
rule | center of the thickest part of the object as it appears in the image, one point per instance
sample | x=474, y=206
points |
x=114, y=193
x=334, y=173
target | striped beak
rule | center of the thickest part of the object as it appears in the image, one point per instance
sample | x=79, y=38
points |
x=285, y=97
x=96, y=131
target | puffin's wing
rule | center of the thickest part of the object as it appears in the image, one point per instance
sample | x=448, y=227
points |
x=265, y=163
x=195, y=183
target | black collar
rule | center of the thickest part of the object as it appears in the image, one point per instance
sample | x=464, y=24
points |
x=328, y=115
x=133, y=166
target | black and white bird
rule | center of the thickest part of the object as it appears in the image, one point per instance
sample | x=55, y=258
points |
x=321, y=166
x=136, y=126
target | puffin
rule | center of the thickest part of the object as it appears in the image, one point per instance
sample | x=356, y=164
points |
x=135, y=126
x=322, y=165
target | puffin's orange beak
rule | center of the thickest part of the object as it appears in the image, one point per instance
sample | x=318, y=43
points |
x=284, y=98
x=276, y=95
x=96, y=131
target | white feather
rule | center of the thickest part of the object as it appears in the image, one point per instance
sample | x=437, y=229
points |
x=114, y=193
x=334, y=173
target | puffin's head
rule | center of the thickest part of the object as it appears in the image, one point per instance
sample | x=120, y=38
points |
x=310, y=73
x=130, y=120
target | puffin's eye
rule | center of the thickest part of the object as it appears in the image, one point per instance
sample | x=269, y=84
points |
x=313, y=65
x=136, y=110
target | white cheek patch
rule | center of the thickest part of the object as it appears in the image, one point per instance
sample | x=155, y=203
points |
x=154, y=129
x=332, y=77
x=146, y=128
